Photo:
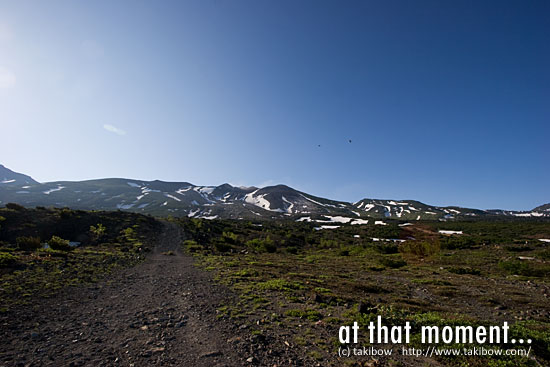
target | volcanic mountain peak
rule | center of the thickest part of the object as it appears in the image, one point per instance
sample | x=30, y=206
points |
x=223, y=201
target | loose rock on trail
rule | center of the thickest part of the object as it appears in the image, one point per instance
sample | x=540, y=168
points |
x=160, y=312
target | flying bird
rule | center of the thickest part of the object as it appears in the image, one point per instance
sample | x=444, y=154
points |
x=350, y=140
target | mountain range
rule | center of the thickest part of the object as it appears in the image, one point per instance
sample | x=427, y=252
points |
x=226, y=201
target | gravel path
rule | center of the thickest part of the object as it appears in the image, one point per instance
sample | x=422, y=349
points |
x=161, y=312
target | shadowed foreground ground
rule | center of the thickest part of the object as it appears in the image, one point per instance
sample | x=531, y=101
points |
x=161, y=312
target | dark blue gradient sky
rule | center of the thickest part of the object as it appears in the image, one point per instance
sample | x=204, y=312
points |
x=446, y=102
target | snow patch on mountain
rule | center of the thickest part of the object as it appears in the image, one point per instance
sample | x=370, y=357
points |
x=182, y=191
x=326, y=227
x=172, y=197
x=313, y=201
x=368, y=207
x=59, y=188
x=124, y=206
x=337, y=219
x=443, y=231
x=291, y=205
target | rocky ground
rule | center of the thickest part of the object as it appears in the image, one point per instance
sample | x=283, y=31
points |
x=161, y=312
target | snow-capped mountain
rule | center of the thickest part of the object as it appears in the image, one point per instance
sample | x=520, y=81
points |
x=223, y=201
x=8, y=177
x=412, y=210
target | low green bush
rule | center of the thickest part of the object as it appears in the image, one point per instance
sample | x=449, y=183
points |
x=420, y=248
x=292, y=250
x=58, y=243
x=14, y=206
x=265, y=245
x=97, y=231
x=222, y=246
x=192, y=246
x=393, y=262
x=7, y=259
x=28, y=243
x=524, y=268
x=386, y=248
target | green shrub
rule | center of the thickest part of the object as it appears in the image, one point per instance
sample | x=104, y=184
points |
x=246, y=273
x=279, y=284
x=66, y=213
x=97, y=231
x=230, y=238
x=292, y=250
x=130, y=235
x=392, y=263
x=457, y=242
x=343, y=252
x=265, y=245
x=58, y=243
x=420, y=248
x=14, y=206
x=387, y=248
x=28, y=243
x=7, y=259
x=192, y=246
x=524, y=268
x=536, y=331
x=295, y=240
x=222, y=246
x=327, y=243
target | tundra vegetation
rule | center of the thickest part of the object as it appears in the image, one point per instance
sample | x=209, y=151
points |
x=296, y=284
x=300, y=284
x=37, y=258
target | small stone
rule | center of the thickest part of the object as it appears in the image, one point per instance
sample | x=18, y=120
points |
x=211, y=354
x=146, y=354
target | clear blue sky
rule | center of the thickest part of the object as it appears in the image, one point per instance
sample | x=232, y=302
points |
x=447, y=102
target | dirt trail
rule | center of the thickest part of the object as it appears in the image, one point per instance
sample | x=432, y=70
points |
x=161, y=312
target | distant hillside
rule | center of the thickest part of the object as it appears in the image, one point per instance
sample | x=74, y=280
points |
x=543, y=208
x=224, y=201
x=7, y=176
